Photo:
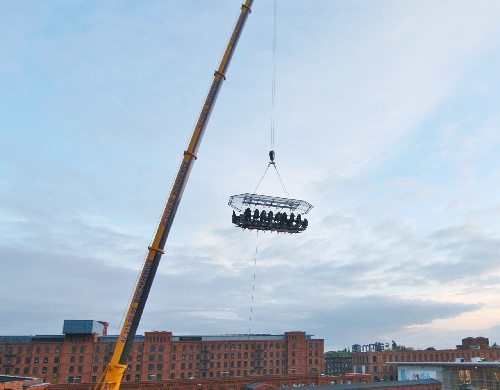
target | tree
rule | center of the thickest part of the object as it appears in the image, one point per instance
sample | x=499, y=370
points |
x=344, y=353
x=396, y=347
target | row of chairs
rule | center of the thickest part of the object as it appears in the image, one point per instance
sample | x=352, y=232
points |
x=269, y=220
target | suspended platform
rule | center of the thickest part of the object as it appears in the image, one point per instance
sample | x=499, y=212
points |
x=250, y=217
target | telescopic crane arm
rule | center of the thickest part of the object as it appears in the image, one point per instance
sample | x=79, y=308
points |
x=112, y=376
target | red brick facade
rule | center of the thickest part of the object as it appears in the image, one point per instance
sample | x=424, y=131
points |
x=80, y=358
x=376, y=363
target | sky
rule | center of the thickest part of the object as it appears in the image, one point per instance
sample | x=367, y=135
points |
x=386, y=119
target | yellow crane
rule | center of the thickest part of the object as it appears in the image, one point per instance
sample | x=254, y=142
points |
x=113, y=374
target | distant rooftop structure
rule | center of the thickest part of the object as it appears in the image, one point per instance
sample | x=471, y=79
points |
x=32, y=339
x=84, y=327
x=242, y=337
x=17, y=382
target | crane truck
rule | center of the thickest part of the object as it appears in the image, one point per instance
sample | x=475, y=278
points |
x=113, y=373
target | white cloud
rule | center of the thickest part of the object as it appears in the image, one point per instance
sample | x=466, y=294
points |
x=386, y=122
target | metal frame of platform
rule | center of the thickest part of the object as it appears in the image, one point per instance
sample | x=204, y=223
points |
x=239, y=202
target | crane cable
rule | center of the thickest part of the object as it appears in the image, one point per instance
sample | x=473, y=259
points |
x=273, y=104
x=273, y=88
x=271, y=157
x=253, y=283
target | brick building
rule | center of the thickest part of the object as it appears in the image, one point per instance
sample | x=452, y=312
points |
x=379, y=363
x=84, y=349
x=338, y=364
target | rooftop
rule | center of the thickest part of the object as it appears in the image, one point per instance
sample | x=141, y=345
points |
x=483, y=363
x=372, y=385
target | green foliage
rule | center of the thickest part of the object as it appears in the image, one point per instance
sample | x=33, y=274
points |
x=398, y=348
x=344, y=353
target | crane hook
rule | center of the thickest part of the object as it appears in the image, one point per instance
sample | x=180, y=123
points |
x=271, y=156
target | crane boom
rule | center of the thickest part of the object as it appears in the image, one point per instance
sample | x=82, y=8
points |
x=112, y=376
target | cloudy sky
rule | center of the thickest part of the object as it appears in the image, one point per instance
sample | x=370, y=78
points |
x=387, y=120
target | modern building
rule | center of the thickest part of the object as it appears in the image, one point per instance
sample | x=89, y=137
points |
x=457, y=375
x=380, y=364
x=429, y=384
x=84, y=349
